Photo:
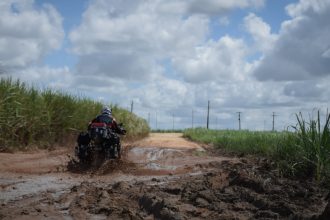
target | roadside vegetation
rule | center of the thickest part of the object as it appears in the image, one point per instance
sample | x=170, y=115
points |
x=305, y=152
x=33, y=118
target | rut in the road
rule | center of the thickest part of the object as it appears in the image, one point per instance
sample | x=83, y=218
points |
x=227, y=191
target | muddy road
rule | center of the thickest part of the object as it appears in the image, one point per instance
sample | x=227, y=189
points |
x=163, y=176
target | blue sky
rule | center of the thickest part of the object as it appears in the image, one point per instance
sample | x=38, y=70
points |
x=171, y=56
x=71, y=12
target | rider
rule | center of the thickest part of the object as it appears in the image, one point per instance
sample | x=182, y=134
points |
x=107, y=118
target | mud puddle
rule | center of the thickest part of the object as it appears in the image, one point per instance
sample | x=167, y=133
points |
x=171, y=160
x=139, y=163
x=229, y=191
x=155, y=158
x=12, y=189
x=161, y=177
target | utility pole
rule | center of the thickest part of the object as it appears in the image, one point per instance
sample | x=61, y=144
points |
x=216, y=123
x=208, y=114
x=239, y=120
x=132, y=106
x=192, y=118
x=273, y=121
x=156, y=122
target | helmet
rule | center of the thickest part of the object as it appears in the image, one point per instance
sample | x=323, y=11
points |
x=106, y=110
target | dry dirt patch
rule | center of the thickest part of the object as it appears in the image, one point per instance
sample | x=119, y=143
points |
x=37, y=162
x=167, y=140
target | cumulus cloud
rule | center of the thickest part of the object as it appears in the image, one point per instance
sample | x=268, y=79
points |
x=167, y=57
x=260, y=32
x=136, y=28
x=130, y=42
x=161, y=94
x=242, y=95
x=215, y=7
x=220, y=60
x=44, y=76
x=315, y=90
x=303, y=89
x=164, y=92
x=118, y=65
x=27, y=33
x=159, y=54
x=301, y=50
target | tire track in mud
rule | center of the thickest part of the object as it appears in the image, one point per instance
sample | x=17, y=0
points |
x=227, y=191
x=167, y=177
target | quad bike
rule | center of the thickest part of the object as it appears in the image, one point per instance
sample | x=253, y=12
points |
x=100, y=143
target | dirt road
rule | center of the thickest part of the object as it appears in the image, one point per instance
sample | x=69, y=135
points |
x=161, y=177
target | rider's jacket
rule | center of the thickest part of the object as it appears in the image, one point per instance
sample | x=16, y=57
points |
x=108, y=120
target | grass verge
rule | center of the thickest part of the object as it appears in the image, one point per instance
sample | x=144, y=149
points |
x=304, y=152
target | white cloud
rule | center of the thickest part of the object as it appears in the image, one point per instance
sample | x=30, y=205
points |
x=164, y=60
x=308, y=6
x=120, y=39
x=161, y=94
x=260, y=32
x=164, y=94
x=133, y=67
x=45, y=77
x=129, y=43
x=215, y=7
x=302, y=45
x=27, y=33
x=312, y=90
x=145, y=28
x=303, y=89
x=220, y=60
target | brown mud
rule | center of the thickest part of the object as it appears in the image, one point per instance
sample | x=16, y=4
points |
x=161, y=177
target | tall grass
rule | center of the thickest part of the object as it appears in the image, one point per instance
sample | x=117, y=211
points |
x=313, y=140
x=135, y=126
x=29, y=117
x=304, y=152
x=243, y=141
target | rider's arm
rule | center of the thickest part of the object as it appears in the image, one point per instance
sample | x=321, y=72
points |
x=116, y=128
x=114, y=125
